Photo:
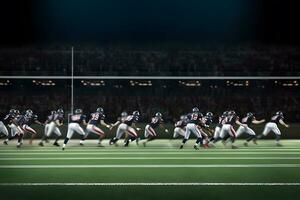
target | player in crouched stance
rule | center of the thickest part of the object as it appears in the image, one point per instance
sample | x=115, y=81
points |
x=150, y=133
x=228, y=131
x=92, y=126
x=194, y=120
x=74, y=126
x=55, y=120
x=273, y=126
x=129, y=127
x=247, y=121
x=180, y=127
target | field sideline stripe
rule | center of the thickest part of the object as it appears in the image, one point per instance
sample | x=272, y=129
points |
x=154, y=166
x=149, y=184
x=151, y=153
x=154, y=158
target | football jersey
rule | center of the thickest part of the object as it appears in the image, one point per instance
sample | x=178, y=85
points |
x=276, y=119
x=181, y=123
x=77, y=118
x=59, y=117
x=96, y=118
x=248, y=120
x=131, y=119
x=8, y=119
x=222, y=120
x=207, y=121
x=231, y=119
x=26, y=120
x=155, y=122
x=50, y=118
x=194, y=118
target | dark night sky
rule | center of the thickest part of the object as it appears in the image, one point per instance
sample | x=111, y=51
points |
x=43, y=21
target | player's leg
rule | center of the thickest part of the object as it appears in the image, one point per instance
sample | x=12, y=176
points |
x=28, y=129
x=251, y=136
x=186, y=135
x=69, y=135
x=120, y=131
x=15, y=131
x=197, y=132
x=3, y=129
x=58, y=136
x=240, y=131
x=150, y=134
x=132, y=135
x=266, y=131
x=45, y=136
x=232, y=134
x=277, y=132
x=217, y=133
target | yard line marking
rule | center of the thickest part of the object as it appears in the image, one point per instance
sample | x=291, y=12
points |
x=149, y=184
x=154, y=158
x=150, y=153
x=154, y=166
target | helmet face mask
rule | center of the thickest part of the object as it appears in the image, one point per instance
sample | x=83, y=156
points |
x=209, y=114
x=60, y=111
x=159, y=115
x=78, y=111
x=53, y=112
x=195, y=110
x=250, y=114
x=136, y=113
x=124, y=114
x=279, y=113
x=100, y=110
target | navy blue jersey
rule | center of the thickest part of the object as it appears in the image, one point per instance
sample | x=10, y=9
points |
x=222, y=120
x=59, y=117
x=77, y=118
x=26, y=120
x=181, y=123
x=231, y=119
x=8, y=119
x=194, y=118
x=276, y=119
x=96, y=118
x=155, y=122
x=131, y=119
x=50, y=118
x=248, y=120
x=207, y=121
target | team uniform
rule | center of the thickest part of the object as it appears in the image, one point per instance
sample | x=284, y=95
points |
x=227, y=130
x=53, y=122
x=150, y=128
x=126, y=127
x=272, y=126
x=247, y=121
x=8, y=120
x=221, y=122
x=194, y=120
x=74, y=127
x=180, y=128
x=92, y=126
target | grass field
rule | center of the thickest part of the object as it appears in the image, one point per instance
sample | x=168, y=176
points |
x=159, y=171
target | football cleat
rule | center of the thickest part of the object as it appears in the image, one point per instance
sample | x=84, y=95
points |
x=246, y=144
x=5, y=142
x=41, y=144
x=195, y=147
x=56, y=144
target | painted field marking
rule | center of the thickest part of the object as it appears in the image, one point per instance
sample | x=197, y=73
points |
x=149, y=184
x=152, y=158
x=154, y=166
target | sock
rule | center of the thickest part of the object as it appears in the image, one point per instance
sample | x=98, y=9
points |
x=199, y=141
x=184, y=141
x=66, y=140
x=277, y=138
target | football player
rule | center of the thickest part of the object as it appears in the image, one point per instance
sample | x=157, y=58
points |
x=8, y=120
x=120, y=120
x=55, y=120
x=207, y=120
x=194, y=120
x=92, y=126
x=228, y=131
x=247, y=121
x=150, y=133
x=23, y=123
x=180, y=127
x=74, y=126
x=273, y=126
x=129, y=126
x=218, y=128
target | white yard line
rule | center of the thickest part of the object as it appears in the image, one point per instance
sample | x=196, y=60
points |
x=147, y=153
x=152, y=158
x=149, y=184
x=154, y=166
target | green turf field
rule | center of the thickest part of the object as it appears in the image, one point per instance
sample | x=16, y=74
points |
x=159, y=171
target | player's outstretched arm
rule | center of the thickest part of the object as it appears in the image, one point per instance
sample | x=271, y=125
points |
x=102, y=122
x=283, y=123
x=258, y=121
x=239, y=123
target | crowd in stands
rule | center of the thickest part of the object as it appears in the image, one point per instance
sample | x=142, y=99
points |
x=256, y=60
